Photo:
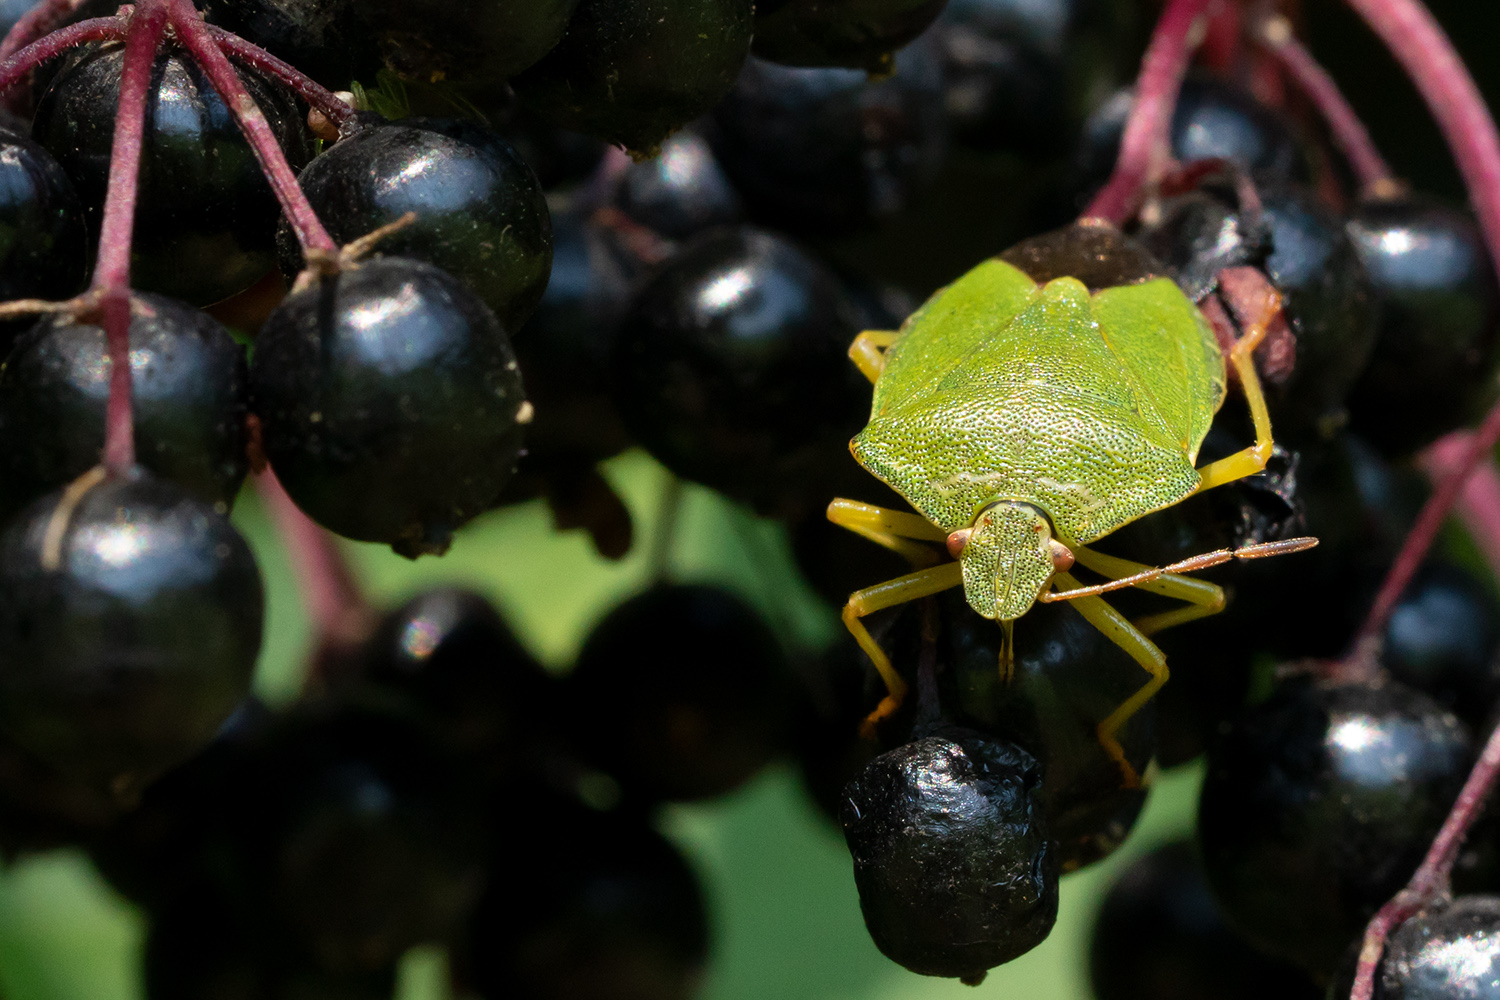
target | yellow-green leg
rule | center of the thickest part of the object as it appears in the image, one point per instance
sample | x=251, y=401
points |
x=1145, y=652
x=922, y=583
x=890, y=528
x=1202, y=598
x=868, y=351
x=1254, y=458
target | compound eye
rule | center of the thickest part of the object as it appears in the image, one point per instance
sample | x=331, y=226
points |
x=958, y=540
x=1062, y=556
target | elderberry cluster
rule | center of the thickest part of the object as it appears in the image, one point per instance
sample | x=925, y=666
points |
x=403, y=279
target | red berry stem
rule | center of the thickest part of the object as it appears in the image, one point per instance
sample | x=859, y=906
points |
x=36, y=22
x=1419, y=44
x=1145, y=147
x=1419, y=539
x=257, y=58
x=112, y=271
x=339, y=611
x=15, y=66
x=1349, y=133
x=1408, y=29
x=194, y=36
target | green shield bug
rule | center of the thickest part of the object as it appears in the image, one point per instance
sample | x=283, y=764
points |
x=1038, y=403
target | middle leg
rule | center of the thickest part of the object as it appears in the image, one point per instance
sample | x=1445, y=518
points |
x=1118, y=630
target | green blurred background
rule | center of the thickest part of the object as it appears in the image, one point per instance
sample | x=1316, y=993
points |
x=778, y=878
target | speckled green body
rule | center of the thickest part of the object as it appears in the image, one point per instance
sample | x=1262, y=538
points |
x=1089, y=408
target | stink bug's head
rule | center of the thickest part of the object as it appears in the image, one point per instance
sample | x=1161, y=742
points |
x=1007, y=557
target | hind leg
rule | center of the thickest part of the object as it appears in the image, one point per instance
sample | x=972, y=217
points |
x=1250, y=461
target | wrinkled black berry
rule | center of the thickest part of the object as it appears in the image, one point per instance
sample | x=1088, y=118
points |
x=951, y=854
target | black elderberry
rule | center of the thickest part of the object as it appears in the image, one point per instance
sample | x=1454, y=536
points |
x=634, y=71
x=390, y=403
x=1064, y=679
x=130, y=619
x=43, y=238
x=1435, y=343
x=814, y=150
x=205, y=216
x=1442, y=639
x=1161, y=936
x=326, y=40
x=732, y=370
x=681, y=191
x=190, y=397
x=1016, y=71
x=448, y=655
x=1213, y=120
x=699, y=715
x=376, y=839
x=42, y=808
x=191, y=835
x=566, y=350
x=1448, y=952
x=1327, y=297
x=951, y=854
x=584, y=906
x=560, y=158
x=1319, y=804
x=465, y=43
x=861, y=34
x=1310, y=365
x=480, y=214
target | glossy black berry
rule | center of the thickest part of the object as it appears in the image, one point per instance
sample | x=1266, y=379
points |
x=567, y=349
x=813, y=150
x=1310, y=364
x=326, y=40
x=1450, y=951
x=951, y=854
x=1161, y=936
x=130, y=619
x=701, y=713
x=43, y=238
x=634, y=71
x=584, y=906
x=861, y=34
x=559, y=157
x=1439, y=315
x=1065, y=678
x=1319, y=804
x=480, y=214
x=206, y=218
x=1016, y=71
x=1213, y=120
x=681, y=191
x=390, y=403
x=448, y=655
x=190, y=398
x=465, y=43
x=1442, y=640
x=732, y=370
